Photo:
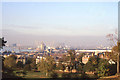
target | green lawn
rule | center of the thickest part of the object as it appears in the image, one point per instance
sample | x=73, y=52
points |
x=35, y=75
x=32, y=74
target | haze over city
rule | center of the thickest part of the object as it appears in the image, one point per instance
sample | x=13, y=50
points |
x=62, y=40
x=77, y=24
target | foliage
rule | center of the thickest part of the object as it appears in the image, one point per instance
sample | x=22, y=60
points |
x=10, y=61
x=47, y=65
x=53, y=75
x=80, y=57
x=8, y=73
x=106, y=69
x=1, y=57
x=101, y=66
x=103, y=69
x=92, y=64
x=20, y=64
x=29, y=60
x=66, y=75
x=61, y=66
x=33, y=64
x=113, y=69
x=7, y=52
x=84, y=76
x=20, y=73
x=80, y=68
x=2, y=42
x=64, y=59
x=114, y=53
x=72, y=56
x=27, y=67
x=7, y=70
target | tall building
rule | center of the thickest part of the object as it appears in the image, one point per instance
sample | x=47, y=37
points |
x=14, y=45
x=43, y=46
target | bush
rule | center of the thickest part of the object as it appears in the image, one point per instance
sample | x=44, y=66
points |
x=27, y=67
x=19, y=64
x=66, y=75
x=53, y=75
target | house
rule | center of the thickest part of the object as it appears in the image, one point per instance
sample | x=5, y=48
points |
x=22, y=59
x=39, y=57
x=111, y=61
x=6, y=54
x=85, y=58
x=74, y=70
x=101, y=55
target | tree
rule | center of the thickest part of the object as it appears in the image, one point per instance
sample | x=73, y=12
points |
x=2, y=42
x=53, y=74
x=61, y=66
x=64, y=59
x=20, y=64
x=79, y=68
x=72, y=56
x=7, y=51
x=114, y=55
x=80, y=57
x=92, y=64
x=47, y=65
x=113, y=38
x=72, y=59
x=103, y=68
x=116, y=48
x=33, y=64
x=29, y=60
x=89, y=67
x=7, y=64
x=27, y=67
x=10, y=61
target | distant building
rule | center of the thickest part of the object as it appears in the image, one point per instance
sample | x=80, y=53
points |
x=101, y=55
x=39, y=58
x=85, y=59
x=14, y=45
x=6, y=54
x=22, y=59
x=74, y=70
x=111, y=61
x=43, y=46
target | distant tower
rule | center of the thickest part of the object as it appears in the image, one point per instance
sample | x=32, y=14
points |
x=43, y=46
x=14, y=45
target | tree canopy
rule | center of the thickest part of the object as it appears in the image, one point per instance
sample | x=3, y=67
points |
x=10, y=61
x=47, y=65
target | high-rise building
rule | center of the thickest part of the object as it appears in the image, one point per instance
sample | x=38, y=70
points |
x=43, y=46
x=14, y=45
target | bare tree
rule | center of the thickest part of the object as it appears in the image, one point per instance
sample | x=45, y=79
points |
x=113, y=38
x=115, y=44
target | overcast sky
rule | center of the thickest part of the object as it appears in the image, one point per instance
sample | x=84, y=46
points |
x=83, y=24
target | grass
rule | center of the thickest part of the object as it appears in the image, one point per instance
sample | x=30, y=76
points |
x=29, y=74
x=114, y=77
x=32, y=74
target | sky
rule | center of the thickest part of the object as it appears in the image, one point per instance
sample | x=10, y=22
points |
x=79, y=24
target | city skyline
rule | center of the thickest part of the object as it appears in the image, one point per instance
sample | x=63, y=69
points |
x=80, y=24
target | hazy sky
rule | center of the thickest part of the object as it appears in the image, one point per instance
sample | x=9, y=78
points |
x=75, y=23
